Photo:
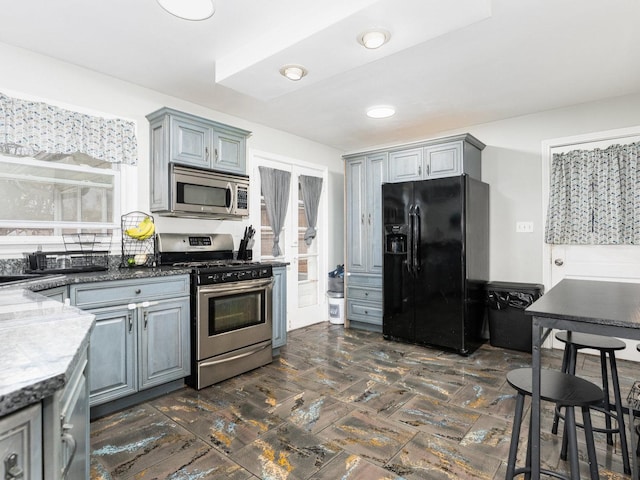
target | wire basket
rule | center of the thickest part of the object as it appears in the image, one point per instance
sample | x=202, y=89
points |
x=138, y=240
x=634, y=397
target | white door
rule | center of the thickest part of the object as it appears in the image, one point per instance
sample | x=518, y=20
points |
x=620, y=263
x=307, y=271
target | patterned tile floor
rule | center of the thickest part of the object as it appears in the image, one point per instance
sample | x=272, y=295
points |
x=340, y=404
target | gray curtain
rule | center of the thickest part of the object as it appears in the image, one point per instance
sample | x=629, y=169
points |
x=275, y=189
x=311, y=188
x=47, y=132
x=594, y=197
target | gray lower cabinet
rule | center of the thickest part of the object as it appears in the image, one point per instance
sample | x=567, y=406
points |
x=279, y=307
x=59, y=294
x=21, y=444
x=445, y=157
x=141, y=337
x=66, y=427
x=50, y=439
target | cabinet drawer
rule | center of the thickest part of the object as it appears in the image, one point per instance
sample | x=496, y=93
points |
x=364, y=312
x=368, y=294
x=127, y=291
x=374, y=281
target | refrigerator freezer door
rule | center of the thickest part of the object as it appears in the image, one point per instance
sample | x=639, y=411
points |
x=398, y=314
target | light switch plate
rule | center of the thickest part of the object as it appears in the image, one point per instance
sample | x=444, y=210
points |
x=524, y=227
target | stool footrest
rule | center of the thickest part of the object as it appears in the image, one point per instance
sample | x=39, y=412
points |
x=543, y=471
x=595, y=429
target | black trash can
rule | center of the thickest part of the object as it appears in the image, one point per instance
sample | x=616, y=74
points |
x=509, y=327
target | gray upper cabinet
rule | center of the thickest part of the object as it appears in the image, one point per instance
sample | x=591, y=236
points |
x=436, y=158
x=190, y=142
x=186, y=139
x=364, y=176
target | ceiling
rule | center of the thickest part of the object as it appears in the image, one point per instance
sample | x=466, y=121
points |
x=448, y=64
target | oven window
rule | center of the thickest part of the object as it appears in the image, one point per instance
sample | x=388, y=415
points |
x=233, y=312
x=190, y=194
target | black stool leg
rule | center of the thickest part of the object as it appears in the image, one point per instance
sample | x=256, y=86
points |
x=515, y=436
x=605, y=388
x=591, y=448
x=565, y=366
x=620, y=415
x=570, y=428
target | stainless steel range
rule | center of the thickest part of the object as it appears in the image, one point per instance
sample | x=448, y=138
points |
x=231, y=306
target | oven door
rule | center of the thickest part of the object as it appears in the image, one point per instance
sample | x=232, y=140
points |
x=231, y=316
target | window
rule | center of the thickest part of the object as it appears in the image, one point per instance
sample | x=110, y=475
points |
x=74, y=194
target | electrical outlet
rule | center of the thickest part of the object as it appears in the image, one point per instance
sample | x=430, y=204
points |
x=524, y=227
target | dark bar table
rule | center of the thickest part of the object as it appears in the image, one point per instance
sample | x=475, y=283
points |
x=602, y=308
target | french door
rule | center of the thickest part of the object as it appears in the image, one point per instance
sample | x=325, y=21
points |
x=306, y=272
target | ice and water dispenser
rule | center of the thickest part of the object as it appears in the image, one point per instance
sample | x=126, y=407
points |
x=395, y=238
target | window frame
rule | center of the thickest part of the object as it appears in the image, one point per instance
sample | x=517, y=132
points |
x=16, y=244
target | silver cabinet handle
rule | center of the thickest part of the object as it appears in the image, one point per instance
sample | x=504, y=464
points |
x=11, y=469
x=130, y=319
x=146, y=319
x=206, y=153
x=559, y=262
x=69, y=440
x=216, y=152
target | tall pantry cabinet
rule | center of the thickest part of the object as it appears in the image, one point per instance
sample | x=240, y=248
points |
x=364, y=175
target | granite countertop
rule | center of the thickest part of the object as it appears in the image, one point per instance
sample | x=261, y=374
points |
x=43, y=338
x=42, y=343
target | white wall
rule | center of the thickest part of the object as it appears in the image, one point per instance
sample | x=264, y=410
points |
x=512, y=165
x=512, y=161
x=33, y=76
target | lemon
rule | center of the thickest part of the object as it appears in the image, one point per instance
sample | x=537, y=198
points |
x=140, y=259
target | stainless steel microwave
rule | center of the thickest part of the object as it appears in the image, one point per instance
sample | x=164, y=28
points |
x=197, y=192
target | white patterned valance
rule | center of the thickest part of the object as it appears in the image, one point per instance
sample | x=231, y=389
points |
x=594, y=197
x=39, y=130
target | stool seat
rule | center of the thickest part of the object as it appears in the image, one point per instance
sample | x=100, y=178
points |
x=567, y=391
x=557, y=387
x=587, y=340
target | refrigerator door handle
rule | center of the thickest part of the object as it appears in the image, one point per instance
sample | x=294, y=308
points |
x=410, y=252
x=416, y=240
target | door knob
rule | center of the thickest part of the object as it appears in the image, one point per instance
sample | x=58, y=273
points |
x=559, y=262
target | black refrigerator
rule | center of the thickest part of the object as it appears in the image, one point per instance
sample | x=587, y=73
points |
x=436, y=261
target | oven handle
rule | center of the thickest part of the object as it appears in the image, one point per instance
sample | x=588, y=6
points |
x=210, y=363
x=236, y=287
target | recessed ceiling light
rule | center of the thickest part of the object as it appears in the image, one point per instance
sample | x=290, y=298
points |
x=381, y=111
x=293, y=72
x=189, y=9
x=373, y=39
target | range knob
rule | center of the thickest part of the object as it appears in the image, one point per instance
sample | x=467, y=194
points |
x=254, y=274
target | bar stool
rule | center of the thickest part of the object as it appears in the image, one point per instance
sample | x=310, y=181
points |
x=606, y=346
x=568, y=391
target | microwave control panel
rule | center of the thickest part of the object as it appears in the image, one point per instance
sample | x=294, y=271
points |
x=242, y=198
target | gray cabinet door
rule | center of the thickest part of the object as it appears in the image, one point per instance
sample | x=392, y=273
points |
x=443, y=160
x=112, y=354
x=355, y=213
x=405, y=165
x=229, y=152
x=279, y=307
x=190, y=142
x=376, y=165
x=164, y=342
x=21, y=444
